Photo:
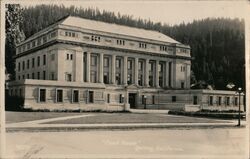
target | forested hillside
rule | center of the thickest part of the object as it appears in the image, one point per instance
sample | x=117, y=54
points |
x=217, y=44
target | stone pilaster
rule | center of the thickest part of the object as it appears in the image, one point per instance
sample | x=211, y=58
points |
x=157, y=74
x=146, y=73
x=113, y=68
x=101, y=68
x=125, y=70
x=136, y=71
x=88, y=65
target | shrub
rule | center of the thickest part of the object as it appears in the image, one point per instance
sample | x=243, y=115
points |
x=14, y=103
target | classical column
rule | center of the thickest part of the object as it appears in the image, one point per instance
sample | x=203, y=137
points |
x=136, y=71
x=78, y=66
x=146, y=77
x=88, y=67
x=166, y=74
x=125, y=70
x=113, y=68
x=101, y=68
x=157, y=73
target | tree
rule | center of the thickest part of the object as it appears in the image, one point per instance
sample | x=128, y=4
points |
x=14, y=35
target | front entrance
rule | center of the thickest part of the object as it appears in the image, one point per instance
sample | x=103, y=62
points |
x=132, y=100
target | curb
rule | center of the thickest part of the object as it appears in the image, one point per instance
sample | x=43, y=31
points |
x=119, y=127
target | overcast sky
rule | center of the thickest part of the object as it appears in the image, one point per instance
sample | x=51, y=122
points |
x=169, y=12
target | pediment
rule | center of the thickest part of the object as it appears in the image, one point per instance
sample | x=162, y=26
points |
x=132, y=86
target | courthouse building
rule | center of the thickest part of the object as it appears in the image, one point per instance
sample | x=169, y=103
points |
x=77, y=63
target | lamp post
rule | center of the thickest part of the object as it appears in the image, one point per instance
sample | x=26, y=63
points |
x=239, y=91
x=145, y=102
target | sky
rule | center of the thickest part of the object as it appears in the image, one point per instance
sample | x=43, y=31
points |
x=164, y=11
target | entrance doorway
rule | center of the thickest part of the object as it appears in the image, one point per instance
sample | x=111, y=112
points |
x=132, y=100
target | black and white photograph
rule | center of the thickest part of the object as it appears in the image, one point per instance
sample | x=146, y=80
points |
x=124, y=79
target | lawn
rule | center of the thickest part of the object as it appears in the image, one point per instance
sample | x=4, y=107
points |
x=108, y=118
x=13, y=117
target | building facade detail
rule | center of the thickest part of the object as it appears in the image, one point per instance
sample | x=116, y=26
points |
x=95, y=65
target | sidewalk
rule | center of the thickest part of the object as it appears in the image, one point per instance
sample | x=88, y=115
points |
x=42, y=125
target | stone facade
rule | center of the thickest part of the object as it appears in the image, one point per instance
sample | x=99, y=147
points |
x=89, y=65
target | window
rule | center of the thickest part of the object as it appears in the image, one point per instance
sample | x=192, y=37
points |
x=142, y=45
x=19, y=77
x=160, y=81
x=33, y=75
x=67, y=57
x=45, y=39
x=106, y=61
x=118, y=78
x=173, y=98
x=59, y=95
x=91, y=97
x=52, y=57
x=106, y=77
x=44, y=59
x=183, y=68
x=33, y=62
x=95, y=38
x=68, y=77
x=33, y=43
x=93, y=77
x=28, y=46
x=211, y=100
x=120, y=42
x=151, y=81
x=23, y=77
x=75, y=96
x=228, y=101
x=118, y=63
x=23, y=65
x=140, y=66
x=219, y=100
x=163, y=48
x=129, y=64
x=151, y=66
x=39, y=41
x=38, y=61
x=28, y=76
x=235, y=101
x=52, y=76
x=108, y=98
x=71, y=56
x=195, y=100
x=28, y=64
x=153, y=99
x=120, y=98
x=44, y=75
x=93, y=60
x=42, y=95
x=129, y=81
x=140, y=78
x=182, y=85
x=161, y=67
x=20, y=92
x=142, y=99
x=38, y=75
x=19, y=66
x=53, y=34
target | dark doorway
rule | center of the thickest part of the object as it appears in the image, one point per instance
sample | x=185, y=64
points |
x=132, y=100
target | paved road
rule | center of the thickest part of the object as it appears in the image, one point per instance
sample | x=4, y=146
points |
x=163, y=143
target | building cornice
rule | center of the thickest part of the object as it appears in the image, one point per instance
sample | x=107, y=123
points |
x=56, y=41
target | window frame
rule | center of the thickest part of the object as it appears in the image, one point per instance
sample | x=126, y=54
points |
x=39, y=95
x=57, y=97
